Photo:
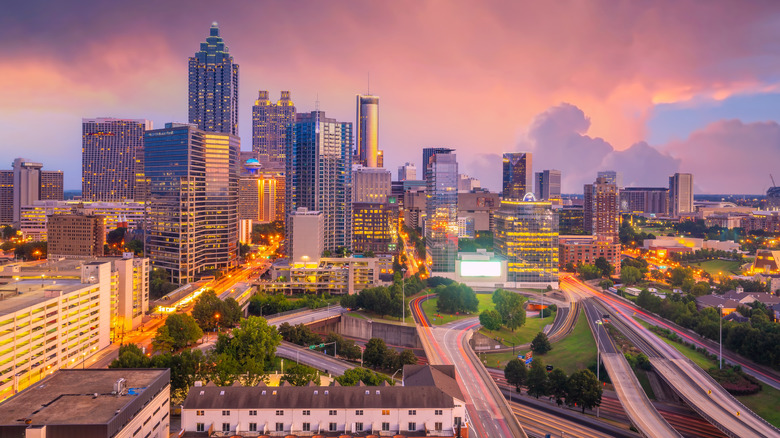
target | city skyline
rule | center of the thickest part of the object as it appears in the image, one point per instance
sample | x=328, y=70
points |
x=701, y=102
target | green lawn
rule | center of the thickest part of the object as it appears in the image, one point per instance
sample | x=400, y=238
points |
x=429, y=307
x=641, y=375
x=523, y=335
x=572, y=353
x=714, y=267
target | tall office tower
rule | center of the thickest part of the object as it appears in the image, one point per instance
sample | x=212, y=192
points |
x=680, y=193
x=192, y=208
x=547, y=186
x=407, y=172
x=27, y=185
x=269, y=125
x=612, y=176
x=6, y=197
x=367, y=130
x=429, y=152
x=441, y=223
x=370, y=185
x=306, y=238
x=517, y=177
x=600, y=209
x=111, y=158
x=526, y=236
x=213, y=86
x=318, y=176
x=52, y=185
x=373, y=221
x=649, y=200
x=571, y=220
x=76, y=235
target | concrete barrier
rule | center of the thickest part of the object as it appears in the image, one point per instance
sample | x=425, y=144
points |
x=392, y=334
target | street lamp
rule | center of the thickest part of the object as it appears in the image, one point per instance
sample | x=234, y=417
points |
x=403, y=294
x=216, y=316
x=720, y=336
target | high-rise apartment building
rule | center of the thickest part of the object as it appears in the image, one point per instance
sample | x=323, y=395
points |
x=112, y=159
x=213, y=86
x=441, y=223
x=407, y=172
x=318, y=176
x=27, y=185
x=647, y=200
x=517, y=175
x=269, y=125
x=526, y=236
x=600, y=209
x=428, y=153
x=680, y=193
x=367, y=130
x=547, y=186
x=612, y=176
x=6, y=197
x=75, y=235
x=52, y=185
x=192, y=208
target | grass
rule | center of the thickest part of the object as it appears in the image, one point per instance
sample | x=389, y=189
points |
x=572, y=353
x=523, y=335
x=429, y=307
x=641, y=375
x=714, y=267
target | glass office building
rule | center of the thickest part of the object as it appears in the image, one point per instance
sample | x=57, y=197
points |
x=526, y=236
x=517, y=177
x=269, y=125
x=441, y=223
x=192, y=212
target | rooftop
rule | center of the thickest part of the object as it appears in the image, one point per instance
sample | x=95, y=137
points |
x=20, y=294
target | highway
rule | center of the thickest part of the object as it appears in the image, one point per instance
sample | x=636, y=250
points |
x=312, y=358
x=689, y=381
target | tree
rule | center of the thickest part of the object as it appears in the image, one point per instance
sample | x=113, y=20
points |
x=511, y=308
x=253, y=345
x=515, y=373
x=116, y=238
x=345, y=348
x=300, y=375
x=299, y=334
x=179, y=331
x=606, y=284
x=375, y=352
x=588, y=272
x=537, y=381
x=584, y=389
x=136, y=246
x=558, y=385
x=700, y=288
x=490, y=319
x=210, y=312
x=604, y=267
x=159, y=286
x=680, y=274
x=630, y=275
x=8, y=232
x=130, y=356
x=540, y=344
x=355, y=375
x=456, y=297
x=407, y=357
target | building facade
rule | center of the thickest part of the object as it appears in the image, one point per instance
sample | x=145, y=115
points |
x=269, y=125
x=76, y=235
x=612, y=177
x=571, y=218
x=526, y=236
x=112, y=159
x=407, y=172
x=27, y=185
x=586, y=249
x=681, y=194
x=600, y=209
x=367, y=130
x=373, y=228
x=192, y=211
x=213, y=86
x=441, y=221
x=517, y=175
x=318, y=176
x=6, y=197
x=306, y=239
x=35, y=217
x=547, y=186
x=645, y=200
x=52, y=185
x=429, y=152
x=479, y=205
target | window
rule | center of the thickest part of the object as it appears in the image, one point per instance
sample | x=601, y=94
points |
x=280, y=427
x=437, y=412
x=358, y=427
x=306, y=412
x=359, y=412
x=200, y=413
x=252, y=412
x=332, y=427
x=412, y=411
x=253, y=427
x=199, y=427
x=225, y=413
x=279, y=412
x=385, y=411
x=437, y=426
x=412, y=426
x=332, y=412
x=225, y=427
x=306, y=427
x=385, y=426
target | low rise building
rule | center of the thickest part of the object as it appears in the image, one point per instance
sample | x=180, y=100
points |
x=76, y=235
x=91, y=403
x=34, y=217
x=429, y=403
x=335, y=275
x=586, y=249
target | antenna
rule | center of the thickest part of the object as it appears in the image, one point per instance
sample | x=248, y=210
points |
x=369, y=83
x=773, y=180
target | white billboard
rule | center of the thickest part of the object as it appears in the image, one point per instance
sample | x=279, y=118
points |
x=481, y=268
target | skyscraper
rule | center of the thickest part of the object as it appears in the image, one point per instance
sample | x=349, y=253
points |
x=52, y=182
x=612, y=176
x=680, y=193
x=429, y=152
x=192, y=208
x=441, y=223
x=407, y=172
x=27, y=185
x=318, y=177
x=548, y=186
x=269, y=125
x=600, y=209
x=373, y=224
x=517, y=176
x=367, y=130
x=112, y=159
x=6, y=197
x=213, y=86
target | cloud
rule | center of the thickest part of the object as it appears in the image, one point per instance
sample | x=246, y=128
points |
x=642, y=165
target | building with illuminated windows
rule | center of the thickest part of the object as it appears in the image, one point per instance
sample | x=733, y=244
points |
x=645, y=200
x=517, y=175
x=112, y=167
x=319, y=177
x=547, y=186
x=269, y=126
x=75, y=235
x=24, y=185
x=611, y=177
x=570, y=219
x=367, y=131
x=680, y=194
x=192, y=210
x=526, y=236
x=600, y=216
x=586, y=249
x=35, y=217
x=373, y=228
x=213, y=86
x=441, y=205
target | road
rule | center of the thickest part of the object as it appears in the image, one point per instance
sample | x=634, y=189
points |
x=313, y=359
x=689, y=381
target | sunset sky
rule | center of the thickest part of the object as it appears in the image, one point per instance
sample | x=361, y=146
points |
x=647, y=88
